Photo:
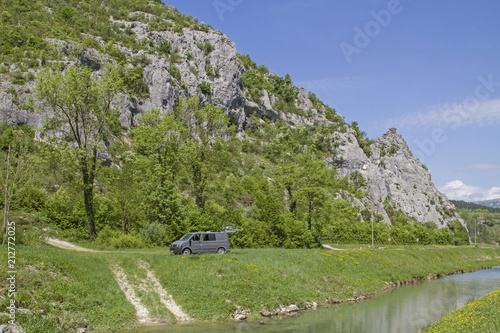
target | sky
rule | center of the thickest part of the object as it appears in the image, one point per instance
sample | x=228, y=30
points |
x=429, y=68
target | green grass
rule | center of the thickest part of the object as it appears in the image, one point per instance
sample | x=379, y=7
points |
x=481, y=315
x=210, y=286
x=77, y=289
x=68, y=288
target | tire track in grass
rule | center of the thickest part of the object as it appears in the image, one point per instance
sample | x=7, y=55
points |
x=66, y=245
x=153, y=285
x=121, y=278
x=165, y=297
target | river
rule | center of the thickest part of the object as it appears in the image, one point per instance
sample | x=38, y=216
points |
x=405, y=309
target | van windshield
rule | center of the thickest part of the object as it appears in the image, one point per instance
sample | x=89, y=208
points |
x=186, y=237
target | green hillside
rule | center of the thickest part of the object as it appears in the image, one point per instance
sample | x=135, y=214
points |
x=170, y=173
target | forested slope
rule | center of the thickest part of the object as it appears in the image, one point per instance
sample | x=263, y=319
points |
x=182, y=133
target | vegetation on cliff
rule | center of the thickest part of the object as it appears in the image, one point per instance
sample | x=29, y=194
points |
x=178, y=171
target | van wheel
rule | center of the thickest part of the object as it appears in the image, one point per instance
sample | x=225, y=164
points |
x=221, y=250
x=186, y=252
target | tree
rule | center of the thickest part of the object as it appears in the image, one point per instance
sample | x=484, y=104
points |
x=205, y=126
x=307, y=181
x=161, y=138
x=19, y=171
x=83, y=113
x=124, y=190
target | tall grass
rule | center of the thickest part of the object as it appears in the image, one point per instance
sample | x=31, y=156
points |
x=66, y=288
x=479, y=316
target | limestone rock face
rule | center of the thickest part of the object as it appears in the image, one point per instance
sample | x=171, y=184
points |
x=210, y=58
x=393, y=174
x=219, y=67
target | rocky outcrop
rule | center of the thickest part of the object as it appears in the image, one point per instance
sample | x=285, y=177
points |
x=209, y=59
x=217, y=65
x=395, y=176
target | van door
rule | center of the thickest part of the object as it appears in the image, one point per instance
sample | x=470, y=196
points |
x=196, y=244
x=209, y=243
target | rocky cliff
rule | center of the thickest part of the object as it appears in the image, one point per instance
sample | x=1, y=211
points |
x=394, y=177
x=204, y=62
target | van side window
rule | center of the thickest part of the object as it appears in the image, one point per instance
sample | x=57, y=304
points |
x=208, y=237
x=196, y=238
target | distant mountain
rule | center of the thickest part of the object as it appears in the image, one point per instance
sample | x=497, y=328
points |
x=477, y=205
x=495, y=203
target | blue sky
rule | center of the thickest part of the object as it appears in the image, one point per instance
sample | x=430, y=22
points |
x=429, y=68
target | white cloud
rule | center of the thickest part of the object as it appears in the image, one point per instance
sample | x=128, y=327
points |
x=457, y=190
x=470, y=111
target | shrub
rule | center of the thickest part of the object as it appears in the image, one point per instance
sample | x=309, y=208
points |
x=193, y=70
x=209, y=69
x=134, y=81
x=127, y=242
x=175, y=72
x=247, y=61
x=106, y=236
x=153, y=233
x=18, y=78
x=114, y=52
x=206, y=88
x=164, y=47
x=65, y=211
x=206, y=47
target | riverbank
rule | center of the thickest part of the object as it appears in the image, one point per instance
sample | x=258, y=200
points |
x=66, y=290
x=481, y=315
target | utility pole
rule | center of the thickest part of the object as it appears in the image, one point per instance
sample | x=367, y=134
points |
x=373, y=244
x=475, y=232
x=5, y=207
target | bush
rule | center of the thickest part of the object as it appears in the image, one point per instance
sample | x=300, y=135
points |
x=65, y=211
x=18, y=78
x=206, y=88
x=134, y=81
x=114, y=238
x=206, y=47
x=153, y=234
x=175, y=72
x=114, y=52
x=106, y=236
x=127, y=242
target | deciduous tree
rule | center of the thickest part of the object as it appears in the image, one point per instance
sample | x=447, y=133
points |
x=83, y=119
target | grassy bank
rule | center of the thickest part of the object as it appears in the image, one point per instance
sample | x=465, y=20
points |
x=481, y=315
x=65, y=290
x=68, y=290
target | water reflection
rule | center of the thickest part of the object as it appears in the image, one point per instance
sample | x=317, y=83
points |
x=406, y=309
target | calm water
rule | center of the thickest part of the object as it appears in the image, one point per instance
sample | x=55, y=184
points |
x=406, y=309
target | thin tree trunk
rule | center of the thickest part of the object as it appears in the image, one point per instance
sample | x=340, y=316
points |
x=309, y=216
x=6, y=202
x=291, y=199
x=124, y=221
x=199, y=181
x=88, y=196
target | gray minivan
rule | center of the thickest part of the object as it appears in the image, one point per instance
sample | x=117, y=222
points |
x=201, y=242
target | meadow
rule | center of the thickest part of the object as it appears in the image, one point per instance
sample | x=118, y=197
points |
x=66, y=290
